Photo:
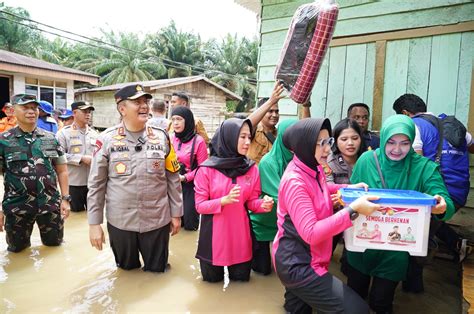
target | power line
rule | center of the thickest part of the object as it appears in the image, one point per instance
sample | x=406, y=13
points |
x=92, y=45
x=168, y=62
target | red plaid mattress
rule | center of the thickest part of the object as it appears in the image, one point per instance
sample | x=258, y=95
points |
x=308, y=39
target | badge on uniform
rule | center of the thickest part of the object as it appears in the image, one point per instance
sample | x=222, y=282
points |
x=76, y=149
x=98, y=146
x=120, y=168
x=156, y=164
x=118, y=144
x=118, y=137
x=153, y=141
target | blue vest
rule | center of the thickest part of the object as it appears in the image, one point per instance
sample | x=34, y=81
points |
x=454, y=160
x=46, y=125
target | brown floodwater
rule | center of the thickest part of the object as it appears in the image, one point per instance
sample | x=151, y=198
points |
x=76, y=278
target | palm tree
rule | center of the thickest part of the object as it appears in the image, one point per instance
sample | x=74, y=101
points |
x=17, y=35
x=178, y=50
x=129, y=63
x=233, y=65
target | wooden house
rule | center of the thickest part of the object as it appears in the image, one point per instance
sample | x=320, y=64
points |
x=381, y=50
x=208, y=99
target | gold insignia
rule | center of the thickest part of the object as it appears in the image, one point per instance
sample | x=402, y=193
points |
x=118, y=137
x=139, y=88
x=120, y=168
x=119, y=144
x=76, y=149
x=154, y=141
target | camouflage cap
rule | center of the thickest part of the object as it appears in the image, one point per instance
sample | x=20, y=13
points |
x=23, y=99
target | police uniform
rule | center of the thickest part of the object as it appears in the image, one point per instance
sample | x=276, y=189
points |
x=136, y=176
x=30, y=184
x=77, y=142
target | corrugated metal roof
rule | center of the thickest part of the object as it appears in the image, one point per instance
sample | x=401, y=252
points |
x=17, y=59
x=252, y=5
x=158, y=84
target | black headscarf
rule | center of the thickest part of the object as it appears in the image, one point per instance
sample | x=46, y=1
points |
x=225, y=158
x=189, y=124
x=301, y=138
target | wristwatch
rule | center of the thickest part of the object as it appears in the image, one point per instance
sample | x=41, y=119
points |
x=66, y=198
x=352, y=213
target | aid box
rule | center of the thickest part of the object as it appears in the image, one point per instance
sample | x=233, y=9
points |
x=401, y=224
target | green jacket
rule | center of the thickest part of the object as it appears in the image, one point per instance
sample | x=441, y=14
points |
x=30, y=181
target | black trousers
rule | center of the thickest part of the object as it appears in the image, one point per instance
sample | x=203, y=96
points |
x=325, y=294
x=18, y=228
x=261, y=260
x=152, y=245
x=79, y=198
x=237, y=272
x=381, y=292
x=191, y=216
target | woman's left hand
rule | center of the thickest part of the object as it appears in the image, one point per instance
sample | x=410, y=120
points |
x=440, y=207
x=267, y=204
x=360, y=185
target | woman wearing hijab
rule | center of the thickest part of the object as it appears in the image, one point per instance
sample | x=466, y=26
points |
x=226, y=185
x=264, y=226
x=306, y=225
x=402, y=169
x=191, y=151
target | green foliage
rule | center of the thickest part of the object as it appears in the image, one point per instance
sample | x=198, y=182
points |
x=173, y=45
x=131, y=64
x=237, y=57
x=15, y=37
x=169, y=53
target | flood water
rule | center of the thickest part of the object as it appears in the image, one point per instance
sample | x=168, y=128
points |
x=76, y=278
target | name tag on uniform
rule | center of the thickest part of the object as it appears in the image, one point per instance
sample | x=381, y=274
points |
x=76, y=142
x=50, y=153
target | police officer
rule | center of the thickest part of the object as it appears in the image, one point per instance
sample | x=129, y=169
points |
x=78, y=142
x=32, y=163
x=134, y=172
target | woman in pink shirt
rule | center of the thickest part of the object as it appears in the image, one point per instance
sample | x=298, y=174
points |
x=191, y=151
x=306, y=225
x=226, y=185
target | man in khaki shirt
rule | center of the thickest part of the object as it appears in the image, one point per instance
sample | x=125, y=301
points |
x=134, y=172
x=265, y=118
x=78, y=142
x=182, y=99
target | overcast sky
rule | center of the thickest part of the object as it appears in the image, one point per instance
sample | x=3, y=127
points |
x=209, y=18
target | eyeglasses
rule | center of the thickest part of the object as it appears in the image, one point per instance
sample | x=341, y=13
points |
x=138, y=147
x=326, y=141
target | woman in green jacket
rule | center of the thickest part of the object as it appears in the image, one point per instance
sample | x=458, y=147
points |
x=402, y=169
x=271, y=168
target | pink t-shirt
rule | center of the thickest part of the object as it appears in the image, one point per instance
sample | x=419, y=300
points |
x=183, y=152
x=306, y=223
x=224, y=237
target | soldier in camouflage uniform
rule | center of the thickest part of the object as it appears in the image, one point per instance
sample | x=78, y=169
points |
x=134, y=174
x=32, y=163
